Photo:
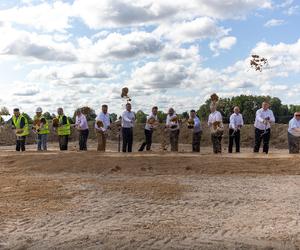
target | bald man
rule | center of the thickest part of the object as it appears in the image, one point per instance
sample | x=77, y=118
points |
x=263, y=120
x=294, y=134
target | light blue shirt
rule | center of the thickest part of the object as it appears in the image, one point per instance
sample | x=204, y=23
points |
x=105, y=119
x=197, y=125
x=128, y=119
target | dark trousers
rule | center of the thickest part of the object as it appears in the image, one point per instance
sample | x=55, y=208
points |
x=294, y=144
x=216, y=139
x=262, y=135
x=148, y=142
x=236, y=137
x=174, y=136
x=196, y=141
x=20, y=143
x=63, y=142
x=83, y=136
x=127, y=135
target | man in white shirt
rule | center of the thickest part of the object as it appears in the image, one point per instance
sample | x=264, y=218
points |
x=215, y=122
x=102, y=124
x=264, y=118
x=172, y=124
x=235, y=124
x=294, y=134
x=128, y=120
x=151, y=124
x=197, y=131
x=82, y=126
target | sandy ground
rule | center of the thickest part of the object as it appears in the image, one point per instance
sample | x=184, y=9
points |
x=89, y=200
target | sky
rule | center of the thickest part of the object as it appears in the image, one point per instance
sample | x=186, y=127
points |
x=168, y=53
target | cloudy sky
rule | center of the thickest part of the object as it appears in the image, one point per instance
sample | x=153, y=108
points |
x=170, y=53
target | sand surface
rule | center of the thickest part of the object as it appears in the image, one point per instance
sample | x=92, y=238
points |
x=88, y=200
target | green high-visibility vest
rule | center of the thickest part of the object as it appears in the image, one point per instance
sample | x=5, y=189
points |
x=64, y=129
x=17, y=123
x=45, y=129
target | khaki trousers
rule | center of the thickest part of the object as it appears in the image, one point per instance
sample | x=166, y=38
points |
x=101, y=136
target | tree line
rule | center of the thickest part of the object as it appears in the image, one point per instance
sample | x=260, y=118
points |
x=248, y=104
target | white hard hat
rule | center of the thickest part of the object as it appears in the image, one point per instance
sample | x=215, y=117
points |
x=39, y=110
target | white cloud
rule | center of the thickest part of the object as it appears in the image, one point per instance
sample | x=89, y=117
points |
x=282, y=57
x=72, y=71
x=159, y=75
x=44, y=16
x=42, y=47
x=231, y=9
x=225, y=43
x=25, y=89
x=293, y=10
x=188, y=31
x=115, y=13
x=274, y=22
x=118, y=46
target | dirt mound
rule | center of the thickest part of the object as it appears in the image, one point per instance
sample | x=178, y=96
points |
x=91, y=200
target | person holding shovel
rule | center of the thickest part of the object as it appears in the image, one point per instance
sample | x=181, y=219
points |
x=264, y=118
x=236, y=123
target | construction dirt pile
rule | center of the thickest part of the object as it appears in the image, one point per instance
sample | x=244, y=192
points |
x=91, y=200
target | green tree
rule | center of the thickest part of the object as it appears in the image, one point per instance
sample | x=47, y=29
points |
x=47, y=116
x=4, y=111
x=161, y=116
x=185, y=115
x=88, y=112
x=140, y=117
x=29, y=119
x=113, y=117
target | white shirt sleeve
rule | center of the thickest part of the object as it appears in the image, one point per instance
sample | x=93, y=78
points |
x=272, y=118
x=125, y=117
x=258, y=116
x=232, y=123
x=242, y=120
x=168, y=121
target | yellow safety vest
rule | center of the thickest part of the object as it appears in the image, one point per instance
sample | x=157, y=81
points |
x=45, y=129
x=17, y=123
x=64, y=129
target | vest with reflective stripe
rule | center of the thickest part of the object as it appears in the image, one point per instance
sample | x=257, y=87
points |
x=17, y=123
x=63, y=129
x=45, y=129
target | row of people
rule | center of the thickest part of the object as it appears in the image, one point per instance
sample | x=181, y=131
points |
x=263, y=121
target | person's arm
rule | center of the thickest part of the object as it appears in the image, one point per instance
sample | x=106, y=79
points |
x=196, y=123
x=232, y=123
x=258, y=116
x=22, y=123
x=125, y=117
x=109, y=121
x=209, y=122
x=219, y=117
x=272, y=117
x=83, y=122
x=242, y=120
